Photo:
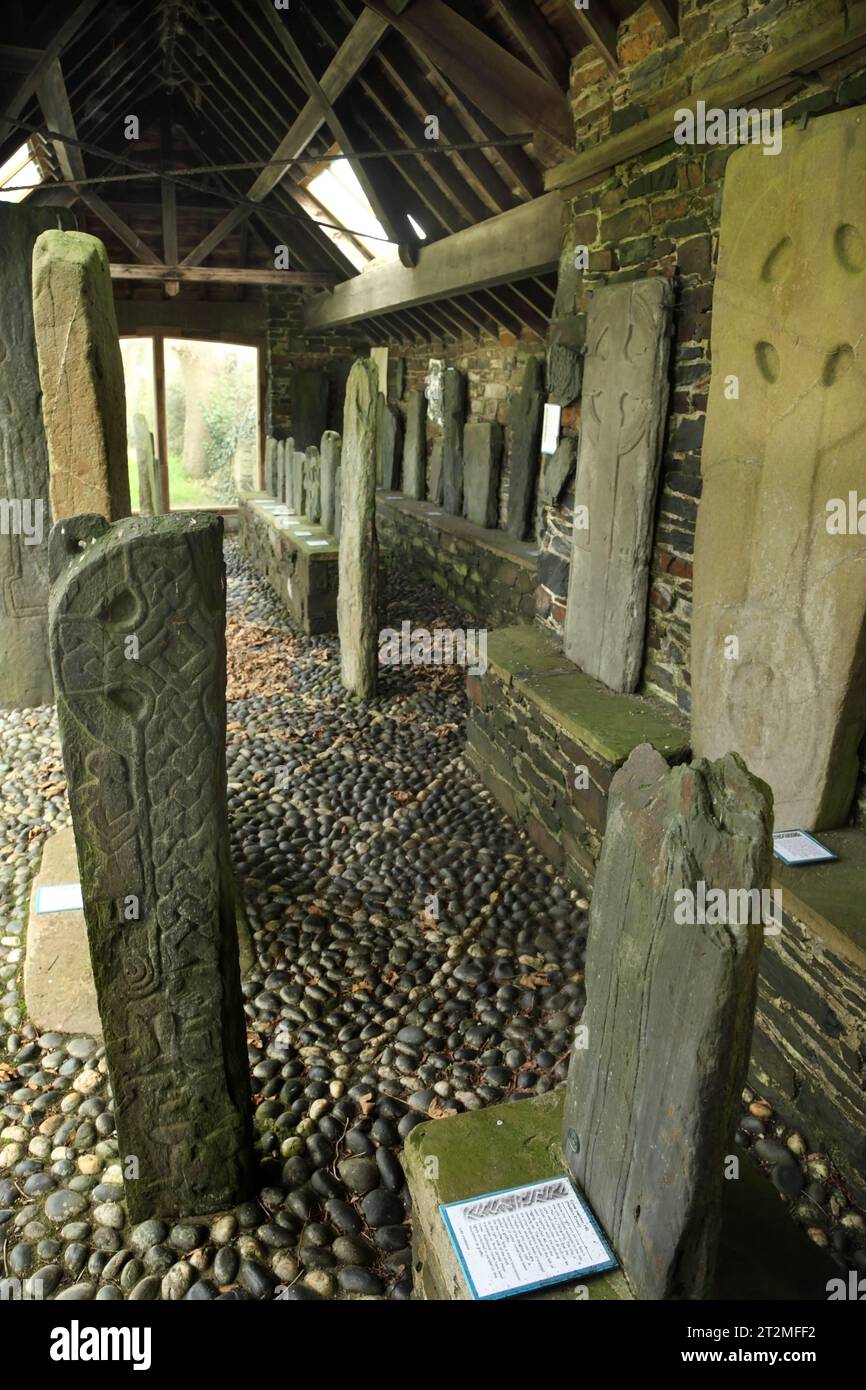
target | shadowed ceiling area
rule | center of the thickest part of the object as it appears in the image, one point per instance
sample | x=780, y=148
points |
x=204, y=135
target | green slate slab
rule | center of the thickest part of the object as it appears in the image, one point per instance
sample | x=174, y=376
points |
x=523, y=651
x=829, y=897
x=484, y=1151
x=609, y=725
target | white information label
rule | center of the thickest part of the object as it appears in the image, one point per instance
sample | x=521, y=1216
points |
x=798, y=847
x=58, y=897
x=526, y=1237
x=550, y=428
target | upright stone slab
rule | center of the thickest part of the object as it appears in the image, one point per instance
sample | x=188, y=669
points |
x=330, y=465
x=81, y=372
x=357, y=597
x=288, y=496
x=389, y=435
x=338, y=504
x=415, y=447
x=482, y=460
x=654, y=1080
x=434, y=474
x=270, y=479
x=556, y=469
x=625, y=393
x=779, y=627
x=25, y=670
x=299, y=482
x=527, y=410
x=143, y=442
x=137, y=622
x=313, y=481
x=280, y=488
x=453, y=420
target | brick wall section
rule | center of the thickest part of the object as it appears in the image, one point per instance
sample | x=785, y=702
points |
x=494, y=368
x=288, y=345
x=492, y=587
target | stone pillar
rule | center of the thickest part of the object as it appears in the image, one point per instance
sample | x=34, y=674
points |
x=143, y=441
x=25, y=670
x=137, y=622
x=415, y=447
x=357, y=598
x=299, y=482
x=660, y=1057
x=453, y=420
x=390, y=444
x=81, y=372
x=527, y=409
x=330, y=465
x=434, y=474
x=280, y=490
x=289, y=485
x=482, y=458
x=313, y=476
x=338, y=503
x=779, y=629
x=271, y=467
x=625, y=403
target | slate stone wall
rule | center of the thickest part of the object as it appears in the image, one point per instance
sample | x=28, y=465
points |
x=494, y=587
x=494, y=368
x=809, y=1045
x=312, y=601
x=527, y=762
x=659, y=214
x=289, y=346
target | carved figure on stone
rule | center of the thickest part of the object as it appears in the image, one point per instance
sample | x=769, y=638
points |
x=624, y=405
x=779, y=628
x=142, y=729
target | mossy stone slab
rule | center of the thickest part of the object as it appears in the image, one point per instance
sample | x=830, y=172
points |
x=484, y=1151
x=828, y=897
x=611, y=726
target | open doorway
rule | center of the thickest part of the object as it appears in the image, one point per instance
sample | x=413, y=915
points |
x=209, y=397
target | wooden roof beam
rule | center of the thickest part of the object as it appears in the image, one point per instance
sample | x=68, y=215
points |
x=51, y=52
x=522, y=242
x=510, y=93
x=223, y=275
x=537, y=40
x=668, y=12
x=347, y=62
x=600, y=28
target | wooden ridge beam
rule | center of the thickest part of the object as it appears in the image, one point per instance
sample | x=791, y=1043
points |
x=505, y=89
x=538, y=40
x=600, y=28
x=519, y=243
x=825, y=44
x=223, y=275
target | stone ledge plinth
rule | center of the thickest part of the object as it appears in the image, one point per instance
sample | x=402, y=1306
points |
x=58, y=978
x=297, y=558
x=546, y=740
x=484, y=1151
x=762, y=1254
x=484, y=572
